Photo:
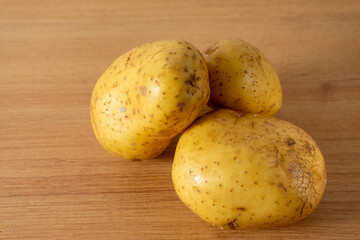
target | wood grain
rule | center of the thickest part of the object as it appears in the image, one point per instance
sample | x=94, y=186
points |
x=56, y=181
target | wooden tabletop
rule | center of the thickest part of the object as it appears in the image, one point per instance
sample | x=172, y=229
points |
x=56, y=182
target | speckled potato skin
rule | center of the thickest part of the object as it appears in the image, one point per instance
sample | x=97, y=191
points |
x=242, y=78
x=147, y=96
x=241, y=172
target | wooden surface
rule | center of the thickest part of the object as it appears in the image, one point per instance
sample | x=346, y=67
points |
x=56, y=182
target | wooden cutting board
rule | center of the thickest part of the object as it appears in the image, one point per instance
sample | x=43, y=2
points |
x=56, y=182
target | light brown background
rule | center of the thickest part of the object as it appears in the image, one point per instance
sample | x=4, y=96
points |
x=56, y=182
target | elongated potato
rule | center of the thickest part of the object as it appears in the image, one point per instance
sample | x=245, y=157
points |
x=242, y=78
x=240, y=172
x=148, y=96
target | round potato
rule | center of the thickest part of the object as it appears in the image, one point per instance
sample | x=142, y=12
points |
x=242, y=78
x=148, y=96
x=240, y=172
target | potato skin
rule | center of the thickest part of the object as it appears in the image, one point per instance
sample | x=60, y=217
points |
x=242, y=78
x=147, y=96
x=247, y=171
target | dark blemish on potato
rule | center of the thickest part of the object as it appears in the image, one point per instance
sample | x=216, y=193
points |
x=157, y=105
x=240, y=209
x=128, y=60
x=220, y=185
x=191, y=80
x=280, y=185
x=231, y=190
x=308, y=147
x=256, y=183
x=185, y=54
x=302, y=209
x=194, y=56
x=177, y=95
x=166, y=116
x=290, y=141
x=189, y=48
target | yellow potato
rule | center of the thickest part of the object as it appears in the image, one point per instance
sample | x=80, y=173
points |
x=242, y=78
x=240, y=172
x=147, y=96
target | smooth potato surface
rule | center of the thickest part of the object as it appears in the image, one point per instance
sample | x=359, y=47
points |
x=147, y=96
x=242, y=78
x=240, y=172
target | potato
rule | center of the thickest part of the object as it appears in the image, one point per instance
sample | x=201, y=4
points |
x=147, y=96
x=242, y=78
x=247, y=171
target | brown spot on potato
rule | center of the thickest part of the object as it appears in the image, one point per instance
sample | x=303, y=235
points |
x=308, y=147
x=233, y=225
x=290, y=141
x=280, y=185
x=302, y=209
x=181, y=105
x=191, y=80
